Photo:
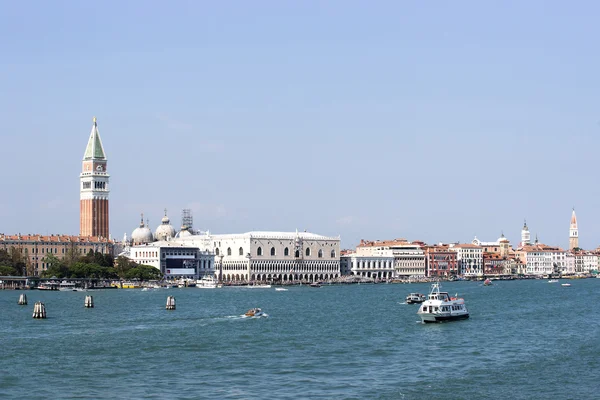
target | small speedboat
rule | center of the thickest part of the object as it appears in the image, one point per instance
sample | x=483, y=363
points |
x=553, y=281
x=315, y=284
x=487, y=282
x=281, y=289
x=565, y=284
x=254, y=312
x=415, y=298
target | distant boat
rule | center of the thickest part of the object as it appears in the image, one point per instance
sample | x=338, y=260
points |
x=487, y=282
x=254, y=312
x=553, y=281
x=281, y=289
x=565, y=284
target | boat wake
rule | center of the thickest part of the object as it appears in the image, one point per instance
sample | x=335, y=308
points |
x=263, y=315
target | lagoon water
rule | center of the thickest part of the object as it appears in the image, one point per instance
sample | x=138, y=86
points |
x=525, y=340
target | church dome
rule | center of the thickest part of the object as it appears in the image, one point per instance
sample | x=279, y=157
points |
x=184, y=232
x=142, y=234
x=165, y=230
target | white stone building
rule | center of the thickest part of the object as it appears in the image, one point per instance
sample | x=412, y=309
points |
x=409, y=258
x=369, y=266
x=174, y=260
x=469, y=258
x=543, y=260
x=270, y=256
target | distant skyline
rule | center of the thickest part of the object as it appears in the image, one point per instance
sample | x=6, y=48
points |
x=434, y=122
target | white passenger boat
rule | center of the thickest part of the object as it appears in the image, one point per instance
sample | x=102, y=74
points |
x=553, y=281
x=69, y=287
x=207, y=282
x=415, y=298
x=440, y=307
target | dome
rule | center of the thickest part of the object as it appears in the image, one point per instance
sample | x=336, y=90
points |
x=142, y=234
x=184, y=232
x=165, y=230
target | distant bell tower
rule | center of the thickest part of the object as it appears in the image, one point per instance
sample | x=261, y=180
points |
x=573, y=232
x=525, y=235
x=93, y=188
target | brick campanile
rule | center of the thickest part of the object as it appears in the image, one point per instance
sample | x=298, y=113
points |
x=93, y=187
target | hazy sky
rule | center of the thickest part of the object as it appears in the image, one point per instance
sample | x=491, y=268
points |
x=434, y=121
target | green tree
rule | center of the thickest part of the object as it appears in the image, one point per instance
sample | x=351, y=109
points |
x=5, y=270
x=123, y=265
x=143, y=273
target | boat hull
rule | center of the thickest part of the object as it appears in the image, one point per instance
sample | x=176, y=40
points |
x=429, y=318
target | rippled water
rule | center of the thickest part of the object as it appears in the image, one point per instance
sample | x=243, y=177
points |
x=524, y=340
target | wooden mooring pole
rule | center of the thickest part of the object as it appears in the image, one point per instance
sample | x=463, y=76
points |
x=39, y=310
x=170, y=303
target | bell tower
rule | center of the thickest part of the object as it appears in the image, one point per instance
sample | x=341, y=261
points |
x=93, y=188
x=573, y=232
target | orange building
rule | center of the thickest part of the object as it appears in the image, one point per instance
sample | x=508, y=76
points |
x=93, y=189
x=34, y=248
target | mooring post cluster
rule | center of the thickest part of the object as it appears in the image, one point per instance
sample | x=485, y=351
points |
x=39, y=310
x=89, y=302
x=170, y=303
x=23, y=299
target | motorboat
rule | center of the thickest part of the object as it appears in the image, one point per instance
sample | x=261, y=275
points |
x=45, y=286
x=440, y=307
x=207, y=282
x=565, y=284
x=315, y=284
x=415, y=298
x=65, y=286
x=281, y=289
x=553, y=281
x=254, y=312
x=258, y=286
x=487, y=282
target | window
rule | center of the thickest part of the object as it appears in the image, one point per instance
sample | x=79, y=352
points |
x=272, y=251
x=297, y=254
x=286, y=252
x=332, y=253
x=320, y=253
x=241, y=251
x=259, y=251
x=229, y=251
x=217, y=251
x=307, y=251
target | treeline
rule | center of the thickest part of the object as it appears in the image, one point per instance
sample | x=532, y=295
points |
x=93, y=265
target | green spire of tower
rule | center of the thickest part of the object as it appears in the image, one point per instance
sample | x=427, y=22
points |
x=94, y=149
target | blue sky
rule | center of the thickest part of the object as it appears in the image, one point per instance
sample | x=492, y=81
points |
x=375, y=120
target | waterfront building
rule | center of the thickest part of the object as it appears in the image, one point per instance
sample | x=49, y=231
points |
x=369, y=266
x=470, y=259
x=409, y=257
x=573, y=233
x=440, y=261
x=583, y=262
x=542, y=259
x=173, y=259
x=34, y=248
x=270, y=256
x=93, y=189
x=495, y=264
